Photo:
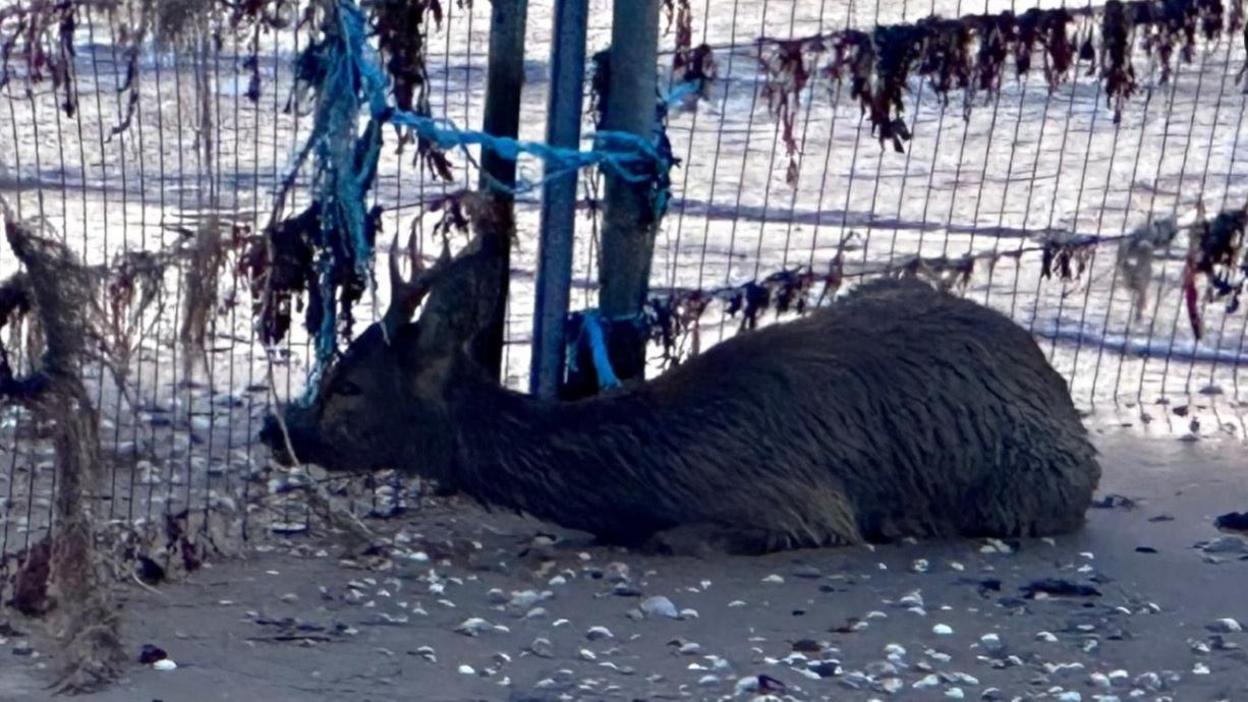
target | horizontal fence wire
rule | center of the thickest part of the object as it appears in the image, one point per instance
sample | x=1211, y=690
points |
x=981, y=197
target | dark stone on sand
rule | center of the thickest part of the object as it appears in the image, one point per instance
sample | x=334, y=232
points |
x=807, y=646
x=1145, y=549
x=150, y=654
x=1113, y=501
x=825, y=669
x=1056, y=587
x=1232, y=521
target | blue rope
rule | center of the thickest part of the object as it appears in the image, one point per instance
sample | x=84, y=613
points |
x=347, y=76
x=592, y=331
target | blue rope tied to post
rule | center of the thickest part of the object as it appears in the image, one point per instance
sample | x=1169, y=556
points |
x=346, y=73
x=593, y=332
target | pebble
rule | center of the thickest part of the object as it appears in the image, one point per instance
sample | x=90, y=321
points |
x=927, y=682
x=542, y=648
x=617, y=572
x=1148, y=681
x=1047, y=637
x=165, y=665
x=23, y=648
x=1069, y=696
x=955, y=693
x=942, y=630
x=1226, y=626
x=808, y=572
x=708, y=680
x=659, y=606
x=774, y=579
x=914, y=599
x=467, y=670
x=1200, y=669
x=598, y=633
x=473, y=626
x=992, y=643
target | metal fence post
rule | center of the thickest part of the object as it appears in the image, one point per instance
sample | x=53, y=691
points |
x=629, y=222
x=504, y=83
x=558, y=223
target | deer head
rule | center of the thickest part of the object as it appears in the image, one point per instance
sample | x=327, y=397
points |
x=392, y=380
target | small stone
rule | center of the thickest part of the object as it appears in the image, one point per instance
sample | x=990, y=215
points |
x=1200, y=669
x=1226, y=626
x=1047, y=637
x=467, y=670
x=524, y=600
x=542, y=648
x=1100, y=681
x=1148, y=681
x=992, y=643
x=955, y=693
x=807, y=572
x=473, y=626
x=992, y=694
x=689, y=649
x=587, y=655
x=891, y=685
x=659, y=606
x=598, y=633
x=1069, y=696
x=165, y=665
x=825, y=669
x=617, y=572
x=774, y=579
x=942, y=630
x=709, y=680
x=914, y=599
x=23, y=648
x=927, y=682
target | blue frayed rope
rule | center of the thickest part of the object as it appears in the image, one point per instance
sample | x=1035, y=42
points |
x=345, y=71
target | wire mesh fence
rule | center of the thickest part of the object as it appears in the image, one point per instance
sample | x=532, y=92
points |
x=1033, y=198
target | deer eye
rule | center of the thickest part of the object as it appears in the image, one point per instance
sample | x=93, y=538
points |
x=347, y=388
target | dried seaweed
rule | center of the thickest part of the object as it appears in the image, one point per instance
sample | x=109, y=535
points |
x=787, y=65
x=42, y=37
x=60, y=290
x=680, y=13
x=1217, y=251
x=1136, y=254
x=970, y=54
x=401, y=26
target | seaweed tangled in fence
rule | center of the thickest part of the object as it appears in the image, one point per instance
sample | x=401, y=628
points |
x=41, y=35
x=60, y=291
x=969, y=53
x=400, y=27
x=1218, y=252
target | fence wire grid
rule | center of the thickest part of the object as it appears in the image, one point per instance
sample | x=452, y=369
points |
x=990, y=185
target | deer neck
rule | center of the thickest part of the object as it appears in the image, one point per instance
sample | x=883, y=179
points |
x=585, y=465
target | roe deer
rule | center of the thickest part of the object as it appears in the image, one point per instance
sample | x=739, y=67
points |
x=897, y=411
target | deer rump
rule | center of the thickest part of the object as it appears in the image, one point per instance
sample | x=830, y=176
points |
x=897, y=411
